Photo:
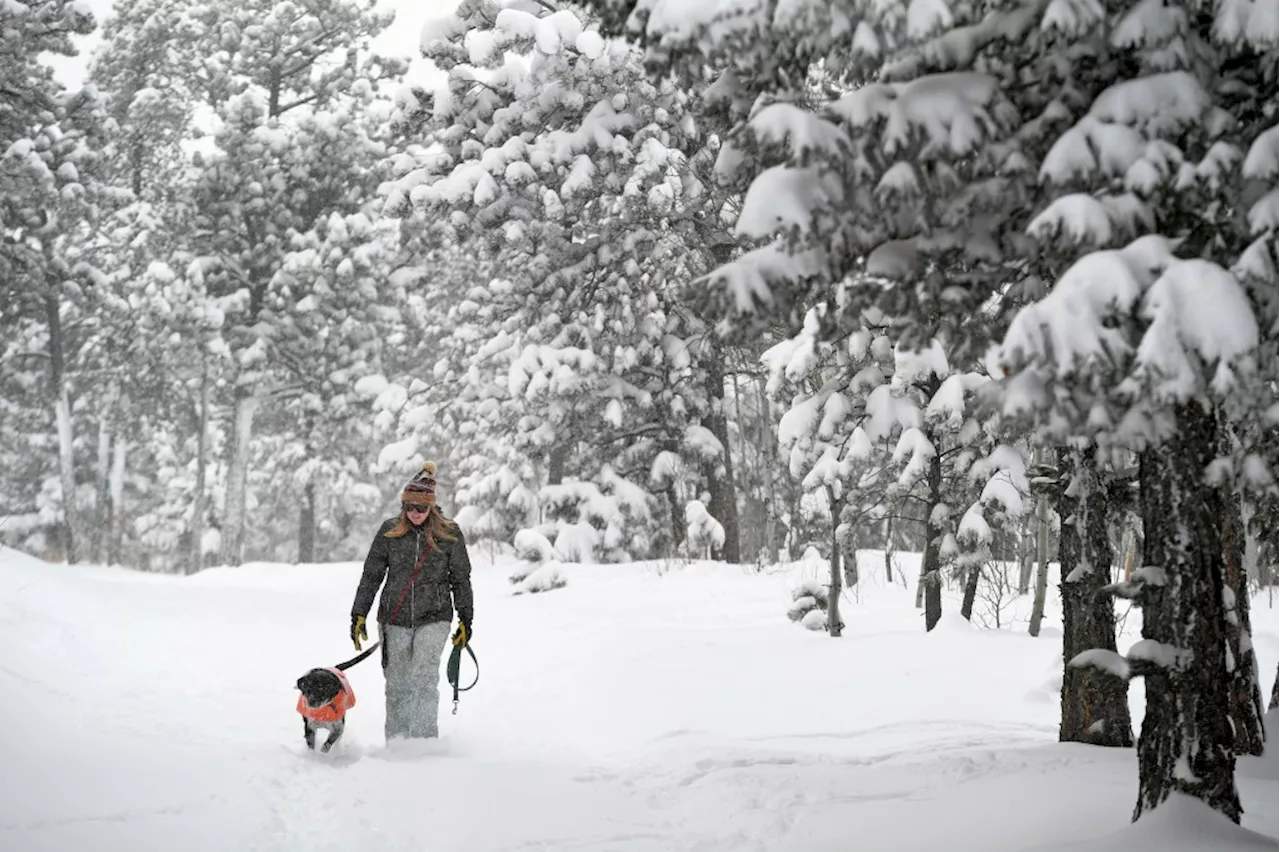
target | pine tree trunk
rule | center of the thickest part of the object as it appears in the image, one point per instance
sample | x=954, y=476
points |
x=195, y=560
x=1042, y=556
x=834, y=625
x=307, y=525
x=66, y=430
x=767, y=466
x=1245, y=693
x=723, y=505
x=888, y=550
x=1095, y=705
x=556, y=461
x=1026, y=558
x=931, y=564
x=972, y=575
x=102, y=494
x=238, y=477
x=115, y=520
x=678, y=530
x=1186, y=741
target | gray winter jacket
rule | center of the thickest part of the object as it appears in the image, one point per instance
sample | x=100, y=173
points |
x=442, y=586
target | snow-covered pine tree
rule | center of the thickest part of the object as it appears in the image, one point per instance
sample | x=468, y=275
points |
x=825, y=432
x=144, y=68
x=583, y=180
x=882, y=430
x=326, y=341
x=1142, y=368
x=1131, y=100
x=277, y=74
x=50, y=144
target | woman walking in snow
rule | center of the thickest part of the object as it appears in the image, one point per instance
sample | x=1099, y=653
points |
x=419, y=559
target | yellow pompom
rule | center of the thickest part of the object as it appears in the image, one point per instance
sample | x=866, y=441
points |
x=429, y=467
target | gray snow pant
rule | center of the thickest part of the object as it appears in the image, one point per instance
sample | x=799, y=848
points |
x=413, y=678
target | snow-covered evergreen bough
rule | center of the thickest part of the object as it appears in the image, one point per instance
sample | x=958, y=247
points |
x=1099, y=180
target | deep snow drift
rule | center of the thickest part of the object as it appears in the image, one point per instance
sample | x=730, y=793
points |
x=645, y=707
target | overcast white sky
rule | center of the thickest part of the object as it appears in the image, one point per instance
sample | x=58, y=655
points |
x=400, y=39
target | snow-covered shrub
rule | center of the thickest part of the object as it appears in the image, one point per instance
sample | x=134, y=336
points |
x=705, y=533
x=808, y=597
x=533, y=546
x=814, y=620
x=543, y=579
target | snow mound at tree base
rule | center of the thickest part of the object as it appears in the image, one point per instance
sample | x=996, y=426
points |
x=1181, y=824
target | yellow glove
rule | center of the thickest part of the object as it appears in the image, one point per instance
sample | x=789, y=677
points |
x=358, y=630
x=462, y=635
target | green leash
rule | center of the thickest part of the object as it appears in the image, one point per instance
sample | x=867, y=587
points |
x=454, y=669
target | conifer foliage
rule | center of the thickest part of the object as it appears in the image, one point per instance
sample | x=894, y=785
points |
x=1077, y=172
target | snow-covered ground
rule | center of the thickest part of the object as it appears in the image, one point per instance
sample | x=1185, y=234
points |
x=647, y=707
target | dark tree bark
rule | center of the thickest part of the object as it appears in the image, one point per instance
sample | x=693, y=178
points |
x=834, y=625
x=556, y=461
x=1095, y=705
x=62, y=415
x=1186, y=744
x=1275, y=692
x=677, y=519
x=196, y=556
x=931, y=564
x=719, y=472
x=1026, y=555
x=888, y=550
x=972, y=575
x=307, y=525
x=1245, y=694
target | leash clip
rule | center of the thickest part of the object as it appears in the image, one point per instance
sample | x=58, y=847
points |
x=455, y=707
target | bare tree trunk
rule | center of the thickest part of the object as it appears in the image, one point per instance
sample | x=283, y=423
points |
x=972, y=575
x=67, y=475
x=66, y=430
x=1095, y=705
x=678, y=530
x=238, y=476
x=1042, y=555
x=1026, y=557
x=888, y=551
x=767, y=464
x=195, y=560
x=931, y=564
x=834, y=625
x=307, y=525
x=1186, y=745
x=102, y=492
x=115, y=517
x=1244, y=689
x=556, y=461
x=723, y=505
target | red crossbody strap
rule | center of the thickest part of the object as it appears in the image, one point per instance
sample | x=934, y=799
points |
x=412, y=577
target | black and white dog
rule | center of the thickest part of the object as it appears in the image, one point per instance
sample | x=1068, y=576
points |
x=326, y=697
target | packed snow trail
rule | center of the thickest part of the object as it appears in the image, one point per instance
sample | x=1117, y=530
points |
x=638, y=709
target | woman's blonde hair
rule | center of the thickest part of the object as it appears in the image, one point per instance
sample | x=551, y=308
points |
x=438, y=526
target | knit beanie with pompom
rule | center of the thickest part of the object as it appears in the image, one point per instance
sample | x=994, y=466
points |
x=421, y=490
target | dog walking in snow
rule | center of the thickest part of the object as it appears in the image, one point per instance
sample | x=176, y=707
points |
x=326, y=697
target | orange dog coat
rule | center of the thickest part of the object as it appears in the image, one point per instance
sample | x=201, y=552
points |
x=335, y=709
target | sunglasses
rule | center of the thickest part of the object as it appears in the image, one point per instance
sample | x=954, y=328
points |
x=408, y=507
